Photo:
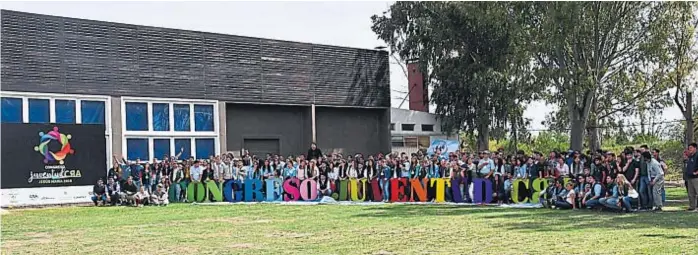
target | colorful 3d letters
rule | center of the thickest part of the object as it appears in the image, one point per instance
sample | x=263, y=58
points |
x=360, y=190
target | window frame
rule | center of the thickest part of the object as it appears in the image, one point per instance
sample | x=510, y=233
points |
x=150, y=134
x=427, y=125
x=402, y=127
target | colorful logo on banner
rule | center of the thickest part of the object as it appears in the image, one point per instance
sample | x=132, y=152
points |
x=54, y=136
x=446, y=146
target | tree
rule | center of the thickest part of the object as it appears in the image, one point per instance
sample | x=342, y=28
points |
x=580, y=46
x=467, y=50
x=681, y=58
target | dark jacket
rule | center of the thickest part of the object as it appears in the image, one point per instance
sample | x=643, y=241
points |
x=314, y=154
x=129, y=188
x=99, y=190
x=691, y=165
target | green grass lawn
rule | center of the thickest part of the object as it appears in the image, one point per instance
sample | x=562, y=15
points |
x=342, y=229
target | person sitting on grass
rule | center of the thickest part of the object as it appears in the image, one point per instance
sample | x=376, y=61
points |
x=569, y=199
x=323, y=186
x=129, y=191
x=548, y=197
x=99, y=193
x=579, y=190
x=113, y=190
x=142, y=197
x=611, y=198
x=595, y=194
x=623, y=188
x=159, y=196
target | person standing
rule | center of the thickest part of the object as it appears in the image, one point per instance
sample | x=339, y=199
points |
x=177, y=178
x=690, y=175
x=656, y=176
x=314, y=152
x=196, y=171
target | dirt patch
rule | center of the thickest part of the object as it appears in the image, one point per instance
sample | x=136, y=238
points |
x=287, y=235
x=241, y=246
x=224, y=220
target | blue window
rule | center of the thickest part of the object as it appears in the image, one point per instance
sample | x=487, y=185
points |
x=39, y=111
x=183, y=143
x=137, y=148
x=205, y=147
x=92, y=112
x=203, y=117
x=161, y=117
x=65, y=111
x=11, y=110
x=136, y=116
x=181, y=114
x=161, y=147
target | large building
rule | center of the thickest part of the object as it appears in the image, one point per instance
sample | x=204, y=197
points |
x=160, y=91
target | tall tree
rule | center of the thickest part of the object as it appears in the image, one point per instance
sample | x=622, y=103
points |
x=467, y=51
x=682, y=57
x=580, y=46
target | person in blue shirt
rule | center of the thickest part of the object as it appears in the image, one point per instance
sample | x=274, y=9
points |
x=136, y=172
x=485, y=166
x=385, y=175
x=289, y=170
x=595, y=194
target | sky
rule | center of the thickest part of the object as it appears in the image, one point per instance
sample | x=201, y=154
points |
x=332, y=23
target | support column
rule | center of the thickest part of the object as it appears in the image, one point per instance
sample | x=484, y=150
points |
x=222, y=128
x=116, y=132
x=312, y=117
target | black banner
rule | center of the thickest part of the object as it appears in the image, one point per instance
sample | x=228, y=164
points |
x=51, y=155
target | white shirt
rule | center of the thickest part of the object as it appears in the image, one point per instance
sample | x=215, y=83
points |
x=195, y=173
x=564, y=169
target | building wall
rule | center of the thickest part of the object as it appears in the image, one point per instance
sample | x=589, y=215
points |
x=403, y=116
x=51, y=54
x=352, y=130
x=289, y=124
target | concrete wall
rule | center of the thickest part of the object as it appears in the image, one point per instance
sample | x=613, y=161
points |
x=402, y=116
x=289, y=124
x=353, y=130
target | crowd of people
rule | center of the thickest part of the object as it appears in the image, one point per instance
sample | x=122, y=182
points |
x=630, y=181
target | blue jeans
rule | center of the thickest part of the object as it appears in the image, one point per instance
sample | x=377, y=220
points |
x=385, y=187
x=593, y=203
x=138, y=184
x=645, y=192
x=96, y=198
x=177, y=191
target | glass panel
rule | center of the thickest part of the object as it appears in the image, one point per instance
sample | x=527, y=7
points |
x=181, y=114
x=92, y=112
x=183, y=143
x=427, y=128
x=203, y=117
x=137, y=148
x=407, y=127
x=11, y=110
x=39, y=110
x=205, y=147
x=161, y=147
x=137, y=116
x=161, y=117
x=65, y=111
